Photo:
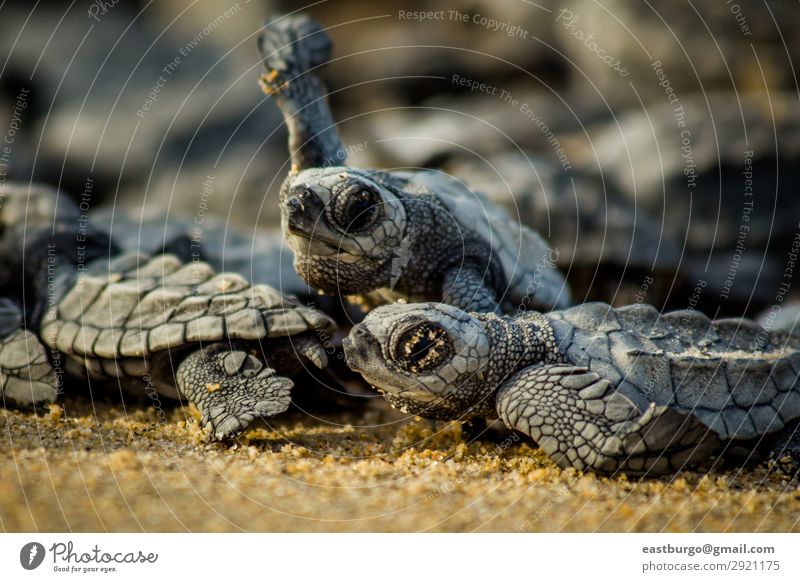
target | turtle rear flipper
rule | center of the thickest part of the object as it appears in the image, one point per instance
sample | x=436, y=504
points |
x=27, y=377
x=231, y=388
x=291, y=47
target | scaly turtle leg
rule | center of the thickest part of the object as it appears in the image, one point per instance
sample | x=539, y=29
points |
x=467, y=289
x=231, y=388
x=27, y=376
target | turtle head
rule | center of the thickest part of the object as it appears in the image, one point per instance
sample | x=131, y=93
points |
x=429, y=359
x=344, y=228
x=231, y=386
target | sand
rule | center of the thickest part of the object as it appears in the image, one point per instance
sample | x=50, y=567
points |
x=105, y=466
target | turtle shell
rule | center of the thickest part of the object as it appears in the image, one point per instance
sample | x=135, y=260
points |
x=134, y=306
x=737, y=378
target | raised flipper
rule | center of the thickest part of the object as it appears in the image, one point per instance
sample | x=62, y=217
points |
x=467, y=289
x=27, y=377
x=231, y=388
x=292, y=46
x=580, y=420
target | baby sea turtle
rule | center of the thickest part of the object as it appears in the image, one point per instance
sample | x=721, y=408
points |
x=598, y=388
x=146, y=323
x=387, y=235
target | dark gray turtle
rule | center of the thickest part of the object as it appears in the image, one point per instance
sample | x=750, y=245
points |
x=386, y=235
x=146, y=323
x=598, y=388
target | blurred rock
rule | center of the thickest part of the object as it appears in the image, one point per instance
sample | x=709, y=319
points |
x=702, y=46
x=784, y=317
x=126, y=97
x=720, y=173
x=446, y=128
x=387, y=41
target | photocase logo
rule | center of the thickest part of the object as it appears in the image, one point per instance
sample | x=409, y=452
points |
x=31, y=555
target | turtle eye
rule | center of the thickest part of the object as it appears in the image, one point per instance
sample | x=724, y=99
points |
x=356, y=209
x=423, y=348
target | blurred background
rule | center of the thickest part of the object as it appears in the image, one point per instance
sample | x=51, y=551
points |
x=654, y=144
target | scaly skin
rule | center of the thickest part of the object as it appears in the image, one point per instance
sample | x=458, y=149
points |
x=598, y=388
x=231, y=388
x=26, y=374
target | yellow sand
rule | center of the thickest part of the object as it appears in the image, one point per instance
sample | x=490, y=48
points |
x=79, y=468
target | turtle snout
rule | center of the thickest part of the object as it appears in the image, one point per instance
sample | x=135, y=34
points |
x=294, y=214
x=356, y=347
x=294, y=206
x=301, y=209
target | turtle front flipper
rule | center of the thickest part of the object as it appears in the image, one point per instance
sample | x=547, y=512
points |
x=231, y=388
x=466, y=288
x=292, y=46
x=27, y=376
x=580, y=420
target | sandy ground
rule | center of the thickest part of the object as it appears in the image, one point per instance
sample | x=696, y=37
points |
x=107, y=467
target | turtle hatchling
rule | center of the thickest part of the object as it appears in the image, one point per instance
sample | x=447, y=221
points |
x=143, y=322
x=598, y=388
x=386, y=235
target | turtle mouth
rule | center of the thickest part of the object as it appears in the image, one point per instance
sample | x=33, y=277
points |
x=316, y=245
x=313, y=243
x=360, y=351
x=311, y=226
x=417, y=395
